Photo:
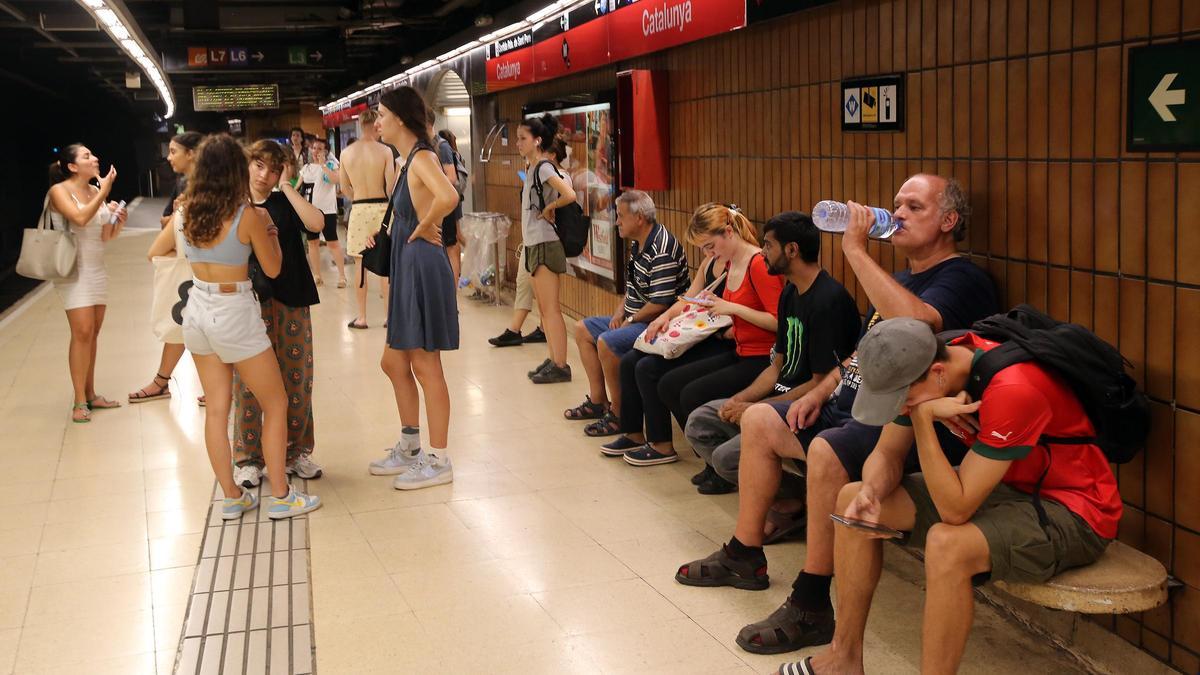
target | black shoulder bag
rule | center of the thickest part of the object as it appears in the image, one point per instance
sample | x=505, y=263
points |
x=378, y=258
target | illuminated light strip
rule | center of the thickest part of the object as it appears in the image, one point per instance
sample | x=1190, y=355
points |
x=553, y=10
x=113, y=17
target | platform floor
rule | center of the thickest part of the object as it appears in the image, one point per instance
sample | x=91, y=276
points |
x=541, y=557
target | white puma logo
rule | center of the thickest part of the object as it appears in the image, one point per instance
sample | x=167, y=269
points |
x=1004, y=437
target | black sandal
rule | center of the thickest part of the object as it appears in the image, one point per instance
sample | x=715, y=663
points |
x=164, y=391
x=722, y=569
x=588, y=410
x=608, y=425
x=787, y=525
x=787, y=629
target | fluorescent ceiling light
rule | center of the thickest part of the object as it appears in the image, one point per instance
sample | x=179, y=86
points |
x=463, y=111
x=94, y=4
x=108, y=17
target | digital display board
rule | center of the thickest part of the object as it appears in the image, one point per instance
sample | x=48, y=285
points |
x=235, y=97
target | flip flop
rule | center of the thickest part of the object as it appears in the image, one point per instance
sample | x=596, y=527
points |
x=803, y=667
x=87, y=414
x=101, y=403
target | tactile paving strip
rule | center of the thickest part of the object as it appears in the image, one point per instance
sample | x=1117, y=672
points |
x=250, y=606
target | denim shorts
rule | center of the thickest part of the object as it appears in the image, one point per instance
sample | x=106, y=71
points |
x=619, y=340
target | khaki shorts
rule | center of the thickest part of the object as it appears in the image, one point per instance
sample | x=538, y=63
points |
x=524, y=297
x=550, y=254
x=1020, y=549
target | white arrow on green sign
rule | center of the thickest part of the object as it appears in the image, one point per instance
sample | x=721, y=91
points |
x=1162, y=116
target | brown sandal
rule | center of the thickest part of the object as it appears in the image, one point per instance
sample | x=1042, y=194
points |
x=722, y=569
x=142, y=396
x=787, y=525
x=787, y=629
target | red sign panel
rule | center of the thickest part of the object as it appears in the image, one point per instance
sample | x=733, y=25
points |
x=574, y=51
x=339, y=117
x=512, y=69
x=653, y=25
x=197, y=57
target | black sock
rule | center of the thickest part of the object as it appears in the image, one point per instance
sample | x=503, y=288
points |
x=811, y=592
x=743, y=552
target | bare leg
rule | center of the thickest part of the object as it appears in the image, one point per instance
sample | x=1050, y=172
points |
x=610, y=364
x=314, y=257
x=339, y=260
x=171, y=353
x=545, y=288
x=953, y=554
x=79, y=354
x=591, y=363
x=427, y=368
x=360, y=293
x=98, y=322
x=397, y=365
x=455, y=254
x=518, y=320
x=216, y=379
x=859, y=562
x=765, y=438
x=261, y=376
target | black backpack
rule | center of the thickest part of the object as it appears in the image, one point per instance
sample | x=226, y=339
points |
x=571, y=226
x=1093, y=369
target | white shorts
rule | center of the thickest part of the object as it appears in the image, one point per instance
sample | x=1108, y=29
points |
x=224, y=319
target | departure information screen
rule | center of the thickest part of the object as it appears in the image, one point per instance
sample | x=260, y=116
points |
x=235, y=97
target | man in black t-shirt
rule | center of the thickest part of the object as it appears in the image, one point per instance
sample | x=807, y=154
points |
x=942, y=289
x=288, y=320
x=818, y=326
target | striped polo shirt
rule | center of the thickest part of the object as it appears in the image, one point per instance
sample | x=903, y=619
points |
x=658, y=274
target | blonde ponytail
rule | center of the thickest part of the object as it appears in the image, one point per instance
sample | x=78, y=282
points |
x=711, y=218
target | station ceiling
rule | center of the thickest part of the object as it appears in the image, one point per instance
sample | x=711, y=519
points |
x=311, y=48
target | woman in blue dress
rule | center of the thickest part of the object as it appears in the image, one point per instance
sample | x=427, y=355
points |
x=422, y=308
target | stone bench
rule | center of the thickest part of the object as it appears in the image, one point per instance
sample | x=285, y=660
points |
x=1122, y=581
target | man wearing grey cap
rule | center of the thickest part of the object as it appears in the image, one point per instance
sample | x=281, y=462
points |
x=1012, y=511
x=940, y=288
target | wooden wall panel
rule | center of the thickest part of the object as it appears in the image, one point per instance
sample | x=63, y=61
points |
x=1020, y=100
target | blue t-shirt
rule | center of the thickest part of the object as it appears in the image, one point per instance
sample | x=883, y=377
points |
x=957, y=288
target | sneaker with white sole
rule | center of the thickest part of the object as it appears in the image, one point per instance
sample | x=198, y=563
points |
x=429, y=471
x=294, y=504
x=399, y=459
x=304, y=467
x=247, y=475
x=232, y=509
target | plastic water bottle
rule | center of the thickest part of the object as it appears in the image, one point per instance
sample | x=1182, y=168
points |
x=832, y=216
x=112, y=219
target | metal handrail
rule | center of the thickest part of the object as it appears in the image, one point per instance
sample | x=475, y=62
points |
x=488, y=147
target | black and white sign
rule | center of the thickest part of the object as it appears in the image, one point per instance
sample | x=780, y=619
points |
x=873, y=104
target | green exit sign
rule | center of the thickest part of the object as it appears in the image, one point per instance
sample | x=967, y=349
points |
x=1164, y=98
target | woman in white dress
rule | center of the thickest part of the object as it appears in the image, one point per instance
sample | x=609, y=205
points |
x=74, y=200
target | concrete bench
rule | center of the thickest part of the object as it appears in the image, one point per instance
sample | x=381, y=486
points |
x=1122, y=581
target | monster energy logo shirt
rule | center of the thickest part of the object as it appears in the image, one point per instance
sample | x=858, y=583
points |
x=817, y=329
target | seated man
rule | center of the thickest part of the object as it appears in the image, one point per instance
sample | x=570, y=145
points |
x=988, y=519
x=655, y=275
x=942, y=289
x=818, y=326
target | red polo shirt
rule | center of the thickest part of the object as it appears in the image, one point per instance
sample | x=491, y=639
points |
x=1024, y=402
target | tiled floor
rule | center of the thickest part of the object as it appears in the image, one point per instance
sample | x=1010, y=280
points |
x=541, y=557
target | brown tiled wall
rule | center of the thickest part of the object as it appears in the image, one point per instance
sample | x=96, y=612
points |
x=1022, y=101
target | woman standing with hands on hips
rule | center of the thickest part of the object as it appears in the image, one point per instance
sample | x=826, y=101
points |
x=73, y=199
x=222, y=321
x=544, y=255
x=422, y=308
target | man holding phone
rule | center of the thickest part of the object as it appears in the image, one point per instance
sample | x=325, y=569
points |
x=1012, y=511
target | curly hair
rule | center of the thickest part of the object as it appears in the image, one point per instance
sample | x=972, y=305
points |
x=219, y=183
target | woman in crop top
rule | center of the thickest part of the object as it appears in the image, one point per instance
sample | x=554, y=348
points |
x=222, y=319
x=721, y=365
x=75, y=201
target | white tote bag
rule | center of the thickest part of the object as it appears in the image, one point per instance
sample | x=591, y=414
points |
x=170, y=273
x=47, y=253
x=689, y=328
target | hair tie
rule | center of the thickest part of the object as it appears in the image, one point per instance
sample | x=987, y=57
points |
x=733, y=207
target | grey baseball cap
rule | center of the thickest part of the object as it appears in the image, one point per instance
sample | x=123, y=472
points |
x=891, y=356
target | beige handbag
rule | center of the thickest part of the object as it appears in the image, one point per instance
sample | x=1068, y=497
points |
x=170, y=272
x=47, y=253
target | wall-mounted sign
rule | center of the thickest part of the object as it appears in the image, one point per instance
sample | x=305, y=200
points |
x=603, y=32
x=235, y=97
x=1164, y=97
x=342, y=116
x=873, y=104
x=261, y=57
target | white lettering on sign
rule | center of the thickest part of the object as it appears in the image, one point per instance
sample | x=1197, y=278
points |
x=508, y=71
x=666, y=17
x=514, y=42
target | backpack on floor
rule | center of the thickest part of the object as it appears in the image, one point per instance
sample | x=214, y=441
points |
x=1094, y=370
x=571, y=226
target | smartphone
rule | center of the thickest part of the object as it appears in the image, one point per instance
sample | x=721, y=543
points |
x=698, y=301
x=867, y=526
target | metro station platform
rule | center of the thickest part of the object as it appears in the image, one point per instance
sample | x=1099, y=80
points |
x=541, y=557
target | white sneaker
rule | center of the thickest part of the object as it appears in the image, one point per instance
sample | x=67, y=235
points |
x=294, y=504
x=427, y=472
x=397, y=461
x=304, y=467
x=247, y=475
